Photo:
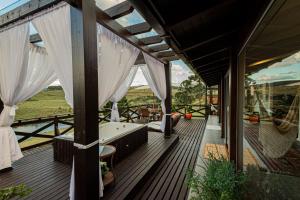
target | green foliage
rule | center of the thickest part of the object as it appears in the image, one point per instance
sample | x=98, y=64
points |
x=190, y=90
x=15, y=191
x=219, y=181
x=104, y=168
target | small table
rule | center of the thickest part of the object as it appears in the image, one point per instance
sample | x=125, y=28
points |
x=108, y=151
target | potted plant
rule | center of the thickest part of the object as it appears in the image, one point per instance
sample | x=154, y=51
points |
x=254, y=117
x=14, y=191
x=104, y=168
x=189, y=114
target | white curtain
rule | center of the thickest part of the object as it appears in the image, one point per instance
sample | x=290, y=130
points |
x=154, y=73
x=116, y=57
x=120, y=93
x=24, y=71
x=55, y=31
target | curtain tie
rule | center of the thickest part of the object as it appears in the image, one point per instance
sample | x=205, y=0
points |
x=12, y=109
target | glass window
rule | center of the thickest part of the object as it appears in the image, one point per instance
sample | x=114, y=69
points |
x=272, y=102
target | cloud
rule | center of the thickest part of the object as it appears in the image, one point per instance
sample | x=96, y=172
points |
x=291, y=60
x=276, y=77
x=179, y=73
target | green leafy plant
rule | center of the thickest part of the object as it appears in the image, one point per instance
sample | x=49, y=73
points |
x=14, y=191
x=104, y=168
x=190, y=90
x=219, y=181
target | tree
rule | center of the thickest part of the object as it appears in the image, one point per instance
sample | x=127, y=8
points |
x=190, y=90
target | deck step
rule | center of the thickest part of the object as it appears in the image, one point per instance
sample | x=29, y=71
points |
x=135, y=170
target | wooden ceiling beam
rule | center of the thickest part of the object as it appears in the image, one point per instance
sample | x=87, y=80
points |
x=200, y=63
x=213, y=63
x=171, y=58
x=161, y=47
x=165, y=54
x=213, y=69
x=151, y=40
x=201, y=15
x=206, y=56
x=120, y=10
x=210, y=40
x=135, y=29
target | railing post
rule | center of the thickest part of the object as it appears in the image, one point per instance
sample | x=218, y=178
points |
x=56, y=129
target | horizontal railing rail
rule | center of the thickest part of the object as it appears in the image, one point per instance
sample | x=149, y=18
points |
x=44, y=129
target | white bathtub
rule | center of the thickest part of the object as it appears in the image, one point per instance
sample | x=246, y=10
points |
x=126, y=137
x=110, y=131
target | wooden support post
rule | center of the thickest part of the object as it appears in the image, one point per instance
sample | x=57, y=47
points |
x=240, y=109
x=206, y=106
x=210, y=95
x=237, y=65
x=56, y=129
x=85, y=88
x=223, y=107
x=168, y=101
x=219, y=102
x=233, y=73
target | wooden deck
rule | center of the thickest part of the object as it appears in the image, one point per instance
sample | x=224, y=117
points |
x=155, y=171
x=169, y=179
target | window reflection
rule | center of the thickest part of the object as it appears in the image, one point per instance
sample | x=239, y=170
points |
x=271, y=115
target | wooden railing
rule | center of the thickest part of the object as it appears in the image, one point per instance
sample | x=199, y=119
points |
x=50, y=127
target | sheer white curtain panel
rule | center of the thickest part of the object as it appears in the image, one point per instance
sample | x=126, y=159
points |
x=116, y=58
x=154, y=72
x=24, y=71
x=120, y=93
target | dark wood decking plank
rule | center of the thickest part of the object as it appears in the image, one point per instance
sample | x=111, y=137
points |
x=181, y=189
x=168, y=182
x=177, y=165
x=130, y=180
x=161, y=171
x=50, y=180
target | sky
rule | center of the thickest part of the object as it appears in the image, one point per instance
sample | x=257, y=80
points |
x=287, y=69
x=180, y=71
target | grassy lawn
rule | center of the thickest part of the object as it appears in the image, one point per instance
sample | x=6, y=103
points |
x=46, y=103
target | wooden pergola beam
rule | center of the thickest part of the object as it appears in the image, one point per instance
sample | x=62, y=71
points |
x=120, y=10
x=151, y=40
x=171, y=58
x=139, y=28
x=102, y=17
x=165, y=54
x=161, y=47
x=25, y=10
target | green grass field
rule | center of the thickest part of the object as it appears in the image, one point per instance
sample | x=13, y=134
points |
x=46, y=103
x=52, y=102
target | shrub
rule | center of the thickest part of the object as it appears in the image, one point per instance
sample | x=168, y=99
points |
x=14, y=191
x=219, y=181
